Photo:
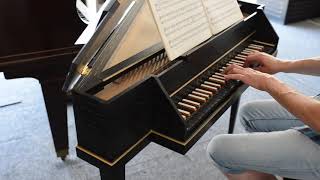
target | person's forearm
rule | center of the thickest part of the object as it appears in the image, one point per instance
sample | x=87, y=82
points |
x=303, y=107
x=306, y=66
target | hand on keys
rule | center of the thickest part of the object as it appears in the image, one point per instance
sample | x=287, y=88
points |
x=266, y=63
x=254, y=78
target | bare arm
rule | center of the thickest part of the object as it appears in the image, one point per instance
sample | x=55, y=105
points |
x=303, y=107
x=306, y=66
x=271, y=65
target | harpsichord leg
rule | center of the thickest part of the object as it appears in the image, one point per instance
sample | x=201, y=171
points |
x=116, y=173
x=233, y=115
x=56, y=104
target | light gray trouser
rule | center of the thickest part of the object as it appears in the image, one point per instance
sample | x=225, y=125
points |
x=271, y=147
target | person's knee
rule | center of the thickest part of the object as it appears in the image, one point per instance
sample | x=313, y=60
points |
x=222, y=149
x=217, y=148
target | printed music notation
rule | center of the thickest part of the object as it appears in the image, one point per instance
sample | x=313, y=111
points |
x=222, y=13
x=184, y=24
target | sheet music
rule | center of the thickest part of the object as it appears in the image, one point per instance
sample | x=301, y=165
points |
x=182, y=24
x=222, y=13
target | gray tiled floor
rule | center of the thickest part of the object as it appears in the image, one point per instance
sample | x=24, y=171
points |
x=27, y=152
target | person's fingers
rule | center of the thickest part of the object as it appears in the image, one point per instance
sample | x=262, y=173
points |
x=252, y=59
x=235, y=77
x=249, y=70
x=226, y=71
x=229, y=68
x=252, y=56
x=258, y=68
x=238, y=70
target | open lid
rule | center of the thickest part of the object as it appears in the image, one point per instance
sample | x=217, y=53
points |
x=126, y=30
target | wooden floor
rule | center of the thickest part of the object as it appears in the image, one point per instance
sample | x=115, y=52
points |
x=27, y=151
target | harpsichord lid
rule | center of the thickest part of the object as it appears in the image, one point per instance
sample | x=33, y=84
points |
x=126, y=30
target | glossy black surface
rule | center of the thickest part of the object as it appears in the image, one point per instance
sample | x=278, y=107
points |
x=111, y=132
x=38, y=41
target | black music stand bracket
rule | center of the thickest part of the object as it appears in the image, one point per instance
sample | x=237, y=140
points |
x=233, y=115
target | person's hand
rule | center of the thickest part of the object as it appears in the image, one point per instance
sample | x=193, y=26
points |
x=254, y=78
x=266, y=63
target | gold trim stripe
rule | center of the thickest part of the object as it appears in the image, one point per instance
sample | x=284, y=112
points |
x=149, y=133
x=119, y=158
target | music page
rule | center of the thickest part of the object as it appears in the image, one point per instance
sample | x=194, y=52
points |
x=183, y=24
x=222, y=13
